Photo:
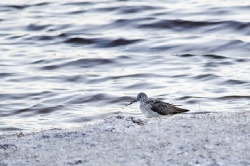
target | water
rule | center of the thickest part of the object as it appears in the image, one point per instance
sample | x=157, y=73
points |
x=63, y=63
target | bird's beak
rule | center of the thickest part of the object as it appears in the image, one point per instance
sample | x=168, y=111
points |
x=131, y=102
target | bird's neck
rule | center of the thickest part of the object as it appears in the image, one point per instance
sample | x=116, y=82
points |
x=143, y=101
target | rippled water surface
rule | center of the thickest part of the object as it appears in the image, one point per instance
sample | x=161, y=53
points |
x=63, y=63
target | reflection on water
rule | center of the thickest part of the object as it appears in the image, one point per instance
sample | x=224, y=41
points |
x=65, y=63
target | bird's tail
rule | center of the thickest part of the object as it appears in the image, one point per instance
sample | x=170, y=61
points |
x=180, y=110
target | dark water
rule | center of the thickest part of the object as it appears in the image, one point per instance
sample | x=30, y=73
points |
x=63, y=63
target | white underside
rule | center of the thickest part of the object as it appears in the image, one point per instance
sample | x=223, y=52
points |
x=146, y=110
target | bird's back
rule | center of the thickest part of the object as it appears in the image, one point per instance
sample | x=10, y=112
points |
x=163, y=108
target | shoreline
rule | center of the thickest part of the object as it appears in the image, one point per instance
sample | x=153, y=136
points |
x=183, y=139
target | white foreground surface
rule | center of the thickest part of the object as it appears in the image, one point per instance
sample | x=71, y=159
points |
x=187, y=139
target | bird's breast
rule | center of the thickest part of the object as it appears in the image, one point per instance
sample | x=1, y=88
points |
x=146, y=110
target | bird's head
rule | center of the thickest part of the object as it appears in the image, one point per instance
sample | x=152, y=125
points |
x=142, y=97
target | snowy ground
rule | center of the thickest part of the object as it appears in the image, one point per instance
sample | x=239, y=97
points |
x=187, y=139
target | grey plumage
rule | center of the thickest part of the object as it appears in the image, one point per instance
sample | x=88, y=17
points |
x=156, y=108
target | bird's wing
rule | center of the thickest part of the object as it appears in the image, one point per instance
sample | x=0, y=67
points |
x=163, y=108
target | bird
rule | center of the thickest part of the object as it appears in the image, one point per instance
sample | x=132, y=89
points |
x=156, y=108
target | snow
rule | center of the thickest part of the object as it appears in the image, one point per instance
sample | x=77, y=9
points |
x=184, y=139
